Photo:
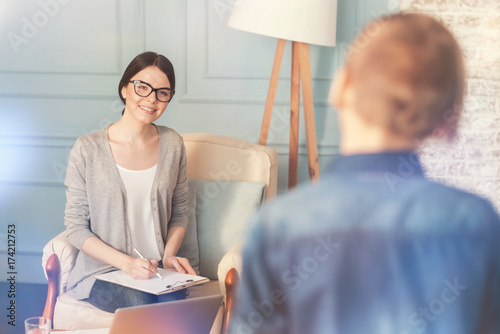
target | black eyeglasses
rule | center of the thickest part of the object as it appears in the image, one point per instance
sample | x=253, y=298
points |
x=144, y=89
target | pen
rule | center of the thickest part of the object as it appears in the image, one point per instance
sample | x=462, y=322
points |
x=142, y=257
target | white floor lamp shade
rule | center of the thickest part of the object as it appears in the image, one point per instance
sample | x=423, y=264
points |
x=303, y=22
x=306, y=21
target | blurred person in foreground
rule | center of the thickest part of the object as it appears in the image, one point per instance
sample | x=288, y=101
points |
x=375, y=247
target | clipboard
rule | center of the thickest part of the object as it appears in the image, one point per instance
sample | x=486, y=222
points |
x=170, y=281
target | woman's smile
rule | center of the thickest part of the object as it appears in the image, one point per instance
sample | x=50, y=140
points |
x=147, y=110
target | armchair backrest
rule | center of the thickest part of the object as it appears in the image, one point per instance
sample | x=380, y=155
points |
x=221, y=158
x=227, y=178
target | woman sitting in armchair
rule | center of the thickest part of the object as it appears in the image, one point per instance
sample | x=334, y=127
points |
x=127, y=188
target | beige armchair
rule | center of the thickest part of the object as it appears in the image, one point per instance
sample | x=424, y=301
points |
x=219, y=168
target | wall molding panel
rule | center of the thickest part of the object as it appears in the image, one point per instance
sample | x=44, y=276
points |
x=62, y=67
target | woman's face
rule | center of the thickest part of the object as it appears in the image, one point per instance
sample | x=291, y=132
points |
x=146, y=109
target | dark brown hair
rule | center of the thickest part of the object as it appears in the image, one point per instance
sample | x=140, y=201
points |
x=407, y=75
x=142, y=61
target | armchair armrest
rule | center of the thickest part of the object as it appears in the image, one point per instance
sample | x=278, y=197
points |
x=232, y=280
x=52, y=270
x=232, y=259
x=66, y=254
x=228, y=273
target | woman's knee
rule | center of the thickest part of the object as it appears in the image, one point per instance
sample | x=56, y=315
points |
x=109, y=297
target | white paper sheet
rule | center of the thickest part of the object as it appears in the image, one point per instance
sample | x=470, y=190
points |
x=170, y=281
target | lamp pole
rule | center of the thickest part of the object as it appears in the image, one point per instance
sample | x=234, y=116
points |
x=301, y=74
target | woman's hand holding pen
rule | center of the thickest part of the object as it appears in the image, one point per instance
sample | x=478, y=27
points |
x=135, y=267
x=140, y=269
x=180, y=264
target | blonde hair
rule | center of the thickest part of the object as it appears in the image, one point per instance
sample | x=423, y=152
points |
x=407, y=75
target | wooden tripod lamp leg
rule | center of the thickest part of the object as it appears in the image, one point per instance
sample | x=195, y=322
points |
x=294, y=119
x=301, y=73
x=307, y=95
x=271, y=94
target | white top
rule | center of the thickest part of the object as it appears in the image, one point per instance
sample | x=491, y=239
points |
x=138, y=184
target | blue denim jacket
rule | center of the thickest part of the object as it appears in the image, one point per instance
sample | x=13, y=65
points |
x=374, y=247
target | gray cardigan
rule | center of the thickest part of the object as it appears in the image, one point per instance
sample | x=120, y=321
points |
x=96, y=201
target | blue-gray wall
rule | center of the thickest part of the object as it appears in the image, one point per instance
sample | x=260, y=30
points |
x=60, y=63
